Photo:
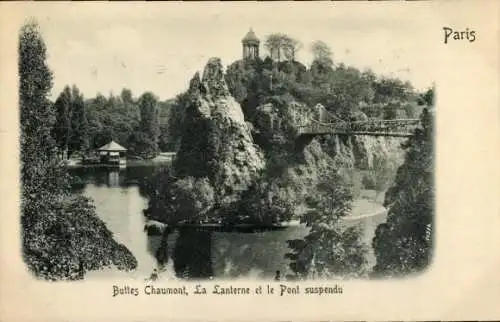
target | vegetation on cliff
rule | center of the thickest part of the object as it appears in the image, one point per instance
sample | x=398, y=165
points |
x=216, y=153
x=277, y=96
x=404, y=243
x=62, y=237
x=344, y=91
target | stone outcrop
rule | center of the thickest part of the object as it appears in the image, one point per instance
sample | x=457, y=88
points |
x=217, y=142
x=367, y=149
x=361, y=152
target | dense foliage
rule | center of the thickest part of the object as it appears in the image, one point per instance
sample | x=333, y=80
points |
x=144, y=140
x=70, y=130
x=282, y=46
x=145, y=125
x=112, y=118
x=62, y=236
x=331, y=249
x=38, y=167
x=270, y=200
x=189, y=199
x=403, y=244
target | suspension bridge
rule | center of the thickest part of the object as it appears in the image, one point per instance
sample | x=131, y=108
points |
x=327, y=123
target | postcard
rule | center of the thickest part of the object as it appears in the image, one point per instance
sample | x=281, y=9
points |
x=236, y=161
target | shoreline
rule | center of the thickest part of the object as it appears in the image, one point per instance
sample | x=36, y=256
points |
x=154, y=226
x=130, y=164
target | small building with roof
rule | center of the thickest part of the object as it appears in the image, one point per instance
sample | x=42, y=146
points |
x=113, y=154
x=250, y=45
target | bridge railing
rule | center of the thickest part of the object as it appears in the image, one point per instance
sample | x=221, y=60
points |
x=318, y=127
x=387, y=127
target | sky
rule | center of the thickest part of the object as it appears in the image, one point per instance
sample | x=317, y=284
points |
x=158, y=47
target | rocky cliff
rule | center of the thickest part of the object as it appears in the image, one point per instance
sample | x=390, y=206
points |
x=217, y=142
x=362, y=152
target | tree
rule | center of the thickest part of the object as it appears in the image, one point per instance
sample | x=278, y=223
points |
x=62, y=128
x=391, y=90
x=330, y=250
x=79, y=126
x=175, y=124
x=427, y=98
x=322, y=53
x=149, y=115
x=281, y=45
x=291, y=46
x=265, y=202
x=144, y=140
x=71, y=127
x=403, y=244
x=114, y=118
x=40, y=168
x=173, y=200
x=126, y=96
x=273, y=43
x=193, y=198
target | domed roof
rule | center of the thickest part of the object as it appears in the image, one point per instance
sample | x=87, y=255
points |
x=250, y=37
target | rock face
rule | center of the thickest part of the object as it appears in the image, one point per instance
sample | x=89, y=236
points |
x=305, y=174
x=276, y=124
x=217, y=142
x=367, y=149
x=281, y=118
x=362, y=152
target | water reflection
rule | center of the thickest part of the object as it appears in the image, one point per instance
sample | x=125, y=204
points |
x=120, y=196
x=200, y=254
x=192, y=254
x=113, y=177
x=119, y=203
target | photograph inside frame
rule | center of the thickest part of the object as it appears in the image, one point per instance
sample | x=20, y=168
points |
x=264, y=149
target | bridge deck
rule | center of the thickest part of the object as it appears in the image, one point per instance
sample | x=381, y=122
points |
x=395, y=128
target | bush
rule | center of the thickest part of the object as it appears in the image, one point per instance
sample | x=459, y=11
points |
x=193, y=198
x=63, y=238
x=173, y=199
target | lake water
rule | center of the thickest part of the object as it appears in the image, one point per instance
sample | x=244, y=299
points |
x=119, y=202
